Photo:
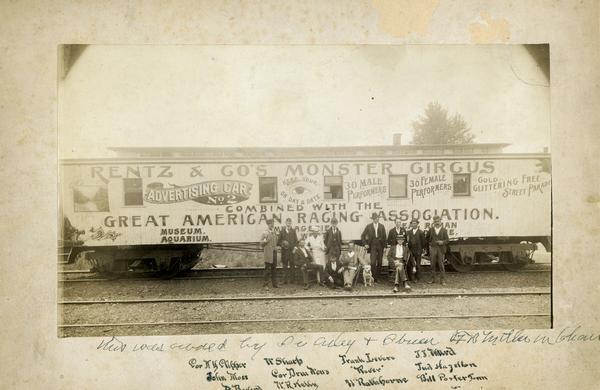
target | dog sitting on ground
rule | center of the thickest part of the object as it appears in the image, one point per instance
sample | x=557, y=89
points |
x=367, y=276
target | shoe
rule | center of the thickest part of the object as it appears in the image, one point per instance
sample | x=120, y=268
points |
x=407, y=286
x=306, y=286
x=430, y=282
x=395, y=289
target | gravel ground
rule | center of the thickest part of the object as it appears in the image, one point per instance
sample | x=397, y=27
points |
x=135, y=289
x=340, y=326
x=397, y=305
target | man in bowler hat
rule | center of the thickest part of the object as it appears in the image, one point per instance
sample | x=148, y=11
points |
x=416, y=243
x=374, y=239
x=437, y=238
x=268, y=242
x=333, y=240
x=287, y=241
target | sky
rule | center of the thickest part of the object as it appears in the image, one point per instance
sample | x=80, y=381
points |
x=186, y=95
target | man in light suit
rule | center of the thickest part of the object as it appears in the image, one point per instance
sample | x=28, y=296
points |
x=287, y=241
x=374, y=239
x=437, y=238
x=351, y=266
x=268, y=242
x=398, y=260
x=333, y=240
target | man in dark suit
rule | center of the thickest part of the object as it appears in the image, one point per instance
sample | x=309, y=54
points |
x=333, y=240
x=396, y=231
x=305, y=261
x=437, y=238
x=288, y=240
x=374, y=239
x=416, y=243
x=334, y=271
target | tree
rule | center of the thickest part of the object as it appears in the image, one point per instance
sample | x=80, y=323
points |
x=435, y=127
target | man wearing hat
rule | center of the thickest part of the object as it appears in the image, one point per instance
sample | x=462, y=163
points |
x=437, y=238
x=374, y=239
x=287, y=241
x=268, y=242
x=397, y=230
x=333, y=240
x=398, y=260
x=416, y=243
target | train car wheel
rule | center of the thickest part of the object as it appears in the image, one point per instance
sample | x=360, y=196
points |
x=458, y=264
x=513, y=263
x=175, y=267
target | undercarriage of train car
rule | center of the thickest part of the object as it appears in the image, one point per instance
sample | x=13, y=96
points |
x=160, y=260
x=513, y=253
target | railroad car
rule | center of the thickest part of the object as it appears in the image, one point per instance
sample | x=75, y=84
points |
x=158, y=208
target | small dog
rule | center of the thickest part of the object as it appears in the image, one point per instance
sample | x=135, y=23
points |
x=367, y=276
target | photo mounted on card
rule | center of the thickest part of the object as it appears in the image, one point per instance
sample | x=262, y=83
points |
x=270, y=189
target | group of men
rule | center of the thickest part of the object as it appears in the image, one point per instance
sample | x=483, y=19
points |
x=336, y=269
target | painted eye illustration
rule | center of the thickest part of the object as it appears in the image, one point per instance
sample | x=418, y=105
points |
x=300, y=189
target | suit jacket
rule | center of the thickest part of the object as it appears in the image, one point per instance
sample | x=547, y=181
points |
x=368, y=235
x=333, y=242
x=334, y=273
x=290, y=237
x=301, y=259
x=442, y=236
x=268, y=241
x=392, y=256
x=416, y=241
x=393, y=234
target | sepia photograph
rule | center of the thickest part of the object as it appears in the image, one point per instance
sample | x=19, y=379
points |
x=225, y=189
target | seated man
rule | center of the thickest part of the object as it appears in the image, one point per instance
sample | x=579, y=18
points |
x=397, y=260
x=334, y=272
x=303, y=259
x=350, y=265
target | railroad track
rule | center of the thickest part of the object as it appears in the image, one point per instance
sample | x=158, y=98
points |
x=405, y=295
x=177, y=311
x=232, y=273
x=303, y=319
x=388, y=320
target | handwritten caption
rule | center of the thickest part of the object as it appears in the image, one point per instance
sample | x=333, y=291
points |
x=390, y=360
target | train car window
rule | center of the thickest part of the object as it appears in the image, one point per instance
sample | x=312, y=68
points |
x=133, y=191
x=461, y=184
x=267, y=189
x=333, y=187
x=90, y=198
x=397, y=184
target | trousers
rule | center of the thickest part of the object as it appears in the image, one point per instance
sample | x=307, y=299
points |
x=289, y=268
x=270, y=271
x=376, y=260
x=414, y=260
x=436, y=256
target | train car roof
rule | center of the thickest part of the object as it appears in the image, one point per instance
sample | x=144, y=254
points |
x=302, y=152
x=481, y=150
